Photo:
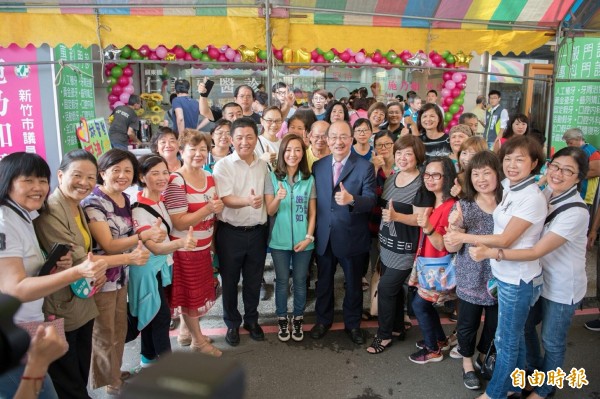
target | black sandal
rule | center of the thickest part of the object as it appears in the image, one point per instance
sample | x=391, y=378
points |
x=377, y=346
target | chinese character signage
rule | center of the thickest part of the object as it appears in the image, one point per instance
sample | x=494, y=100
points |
x=74, y=92
x=93, y=136
x=577, y=104
x=21, y=127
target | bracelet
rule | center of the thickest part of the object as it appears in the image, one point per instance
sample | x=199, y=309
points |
x=32, y=378
x=309, y=237
x=430, y=233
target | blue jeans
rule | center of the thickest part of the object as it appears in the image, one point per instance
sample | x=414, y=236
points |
x=9, y=383
x=556, y=320
x=514, y=302
x=299, y=263
x=118, y=146
x=429, y=321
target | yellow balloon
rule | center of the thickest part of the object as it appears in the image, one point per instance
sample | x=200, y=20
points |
x=248, y=54
x=462, y=59
x=287, y=55
x=170, y=57
x=301, y=56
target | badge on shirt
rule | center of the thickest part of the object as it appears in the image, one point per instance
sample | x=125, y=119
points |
x=2, y=241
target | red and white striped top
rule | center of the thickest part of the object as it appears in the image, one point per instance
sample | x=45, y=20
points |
x=181, y=197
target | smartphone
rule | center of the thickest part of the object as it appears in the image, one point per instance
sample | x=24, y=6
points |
x=57, y=252
x=209, y=85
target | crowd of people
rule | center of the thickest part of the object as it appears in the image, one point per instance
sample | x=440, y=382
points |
x=355, y=183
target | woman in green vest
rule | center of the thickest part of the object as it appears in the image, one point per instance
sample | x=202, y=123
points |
x=291, y=201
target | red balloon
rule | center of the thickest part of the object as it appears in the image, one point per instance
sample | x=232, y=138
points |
x=144, y=50
x=455, y=92
x=123, y=80
x=112, y=98
x=188, y=57
x=443, y=64
x=377, y=57
x=461, y=109
x=179, y=52
x=445, y=107
x=151, y=56
x=213, y=53
x=345, y=56
x=110, y=65
x=117, y=90
x=278, y=54
x=447, y=76
x=314, y=55
x=447, y=130
x=451, y=65
x=383, y=61
x=107, y=71
x=464, y=77
x=452, y=123
x=448, y=101
x=462, y=85
x=127, y=71
x=335, y=51
x=456, y=116
x=222, y=58
x=321, y=59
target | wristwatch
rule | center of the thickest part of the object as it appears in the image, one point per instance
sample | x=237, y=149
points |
x=309, y=237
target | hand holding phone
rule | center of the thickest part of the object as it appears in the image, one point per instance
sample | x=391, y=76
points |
x=58, y=251
x=208, y=85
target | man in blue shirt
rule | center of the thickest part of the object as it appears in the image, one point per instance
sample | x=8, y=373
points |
x=187, y=109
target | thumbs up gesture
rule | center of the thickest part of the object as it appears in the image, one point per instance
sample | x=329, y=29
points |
x=282, y=192
x=455, y=219
x=456, y=188
x=423, y=220
x=189, y=242
x=388, y=214
x=156, y=233
x=255, y=201
x=139, y=256
x=92, y=269
x=479, y=252
x=378, y=161
x=343, y=197
x=216, y=203
x=268, y=156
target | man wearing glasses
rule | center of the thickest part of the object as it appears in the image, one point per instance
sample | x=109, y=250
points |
x=574, y=138
x=345, y=185
x=318, y=143
x=283, y=95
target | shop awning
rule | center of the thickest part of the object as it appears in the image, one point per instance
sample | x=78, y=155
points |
x=468, y=25
x=507, y=68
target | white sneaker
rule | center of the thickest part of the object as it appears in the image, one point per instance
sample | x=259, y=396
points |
x=284, y=332
x=454, y=353
x=298, y=333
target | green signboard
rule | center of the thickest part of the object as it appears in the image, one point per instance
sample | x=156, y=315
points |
x=577, y=91
x=74, y=91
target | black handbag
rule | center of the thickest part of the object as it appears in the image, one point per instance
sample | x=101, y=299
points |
x=489, y=362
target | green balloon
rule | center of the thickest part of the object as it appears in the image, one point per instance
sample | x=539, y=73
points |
x=450, y=59
x=459, y=101
x=320, y=51
x=462, y=94
x=262, y=54
x=397, y=61
x=109, y=89
x=453, y=109
x=196, y=53
x=190, y=49
x=447, y=116
x=329, y=55
x=135, y=55
x=116, y=71
x=445, y=54
x=112, y=80
x=122, y=64
x=126, y=52
x=392, y=56
x=204, y=57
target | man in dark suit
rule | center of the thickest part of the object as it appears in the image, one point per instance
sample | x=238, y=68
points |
x=345, y=184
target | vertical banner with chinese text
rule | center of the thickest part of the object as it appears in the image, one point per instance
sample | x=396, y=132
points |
x=577, y=102
x=21, y=125
x=74, y=92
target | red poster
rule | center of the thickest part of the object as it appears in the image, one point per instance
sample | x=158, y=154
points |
x=21, y=125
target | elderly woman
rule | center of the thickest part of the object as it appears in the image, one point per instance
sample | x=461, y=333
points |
x=336, y=111
x=192, y=201
x=24, y=186
x=377, y=115
x=561, y=252
x=108, y=212
x=165, y=144
x=431, y=125
x=63, y=221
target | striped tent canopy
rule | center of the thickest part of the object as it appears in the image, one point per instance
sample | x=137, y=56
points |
x=508, y=68
x=495, y=25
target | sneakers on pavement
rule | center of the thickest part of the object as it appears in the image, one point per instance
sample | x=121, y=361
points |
x=284, y=332
x=297, y=332
x=593, y=325
x=442, y=345
x=424, y=356
x=470, y=380
x=454, y=354
x=452, y=339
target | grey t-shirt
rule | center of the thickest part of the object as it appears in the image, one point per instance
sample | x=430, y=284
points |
x=124, y=118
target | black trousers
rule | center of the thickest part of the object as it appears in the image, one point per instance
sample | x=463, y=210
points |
x=241, y=252
x=469, y=318
x=390, y=301
x=155, y=336
x=70, y=373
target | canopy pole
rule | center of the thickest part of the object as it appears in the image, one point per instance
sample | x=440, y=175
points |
x=550, y=102
x=268, y=40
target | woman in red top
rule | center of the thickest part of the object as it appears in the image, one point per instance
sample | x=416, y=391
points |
x=438, y=179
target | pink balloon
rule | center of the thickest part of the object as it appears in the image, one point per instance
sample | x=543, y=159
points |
x=377, y=57
x=127, y=71
x=153, y=56
x=461, y=109
x=188, y=57
x=456, y=116
x=443, y=64
x=320, y=59
x=237, y=58
x=456, y=77
x=314, y=55
x=368, y=60
x=118, y=104
x=462, y=85
x=345, y=56
x=447, y=76
x=124, y=97
x=464, y=77
x=117, y=90
x=161, y=52
x=452, y=123
x=222, y=58
x=450, y=84
x=123, y=80
x=144, y=50
x=445, y=108
x=384, y=61
x=279, y=55
x=445, y=92
x=455, y=92
x=179, y=52
x=447, y=130
x=213, y=53
x=230, y=54
x=436, y=58
x=112, y=98
x=129, y=89
x=448, y=101
x=224, y=48
x=360, y=57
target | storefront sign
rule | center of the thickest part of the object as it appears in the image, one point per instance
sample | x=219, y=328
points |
x=21, y=126
x=75, y=93
x=577, y=103
x=93, y=136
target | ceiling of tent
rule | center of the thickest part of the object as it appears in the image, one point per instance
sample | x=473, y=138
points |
x=496, y=25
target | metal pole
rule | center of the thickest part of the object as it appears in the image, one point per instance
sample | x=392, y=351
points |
x=549, y=115
x=269, y=50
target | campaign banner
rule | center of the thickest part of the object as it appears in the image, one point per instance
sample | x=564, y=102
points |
x=21, y=125
x=93, y=136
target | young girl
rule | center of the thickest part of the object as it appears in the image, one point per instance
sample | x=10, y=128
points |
x=291, y=198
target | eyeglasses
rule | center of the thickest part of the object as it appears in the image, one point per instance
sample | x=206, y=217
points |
x=319, y=138
x=271, y=121
x=244, y=96
x=220, y=133
x=341, y=138
x=434, y=176
x=362, y=131
x=383, y=145
x=282, y=92
x=565, y=172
